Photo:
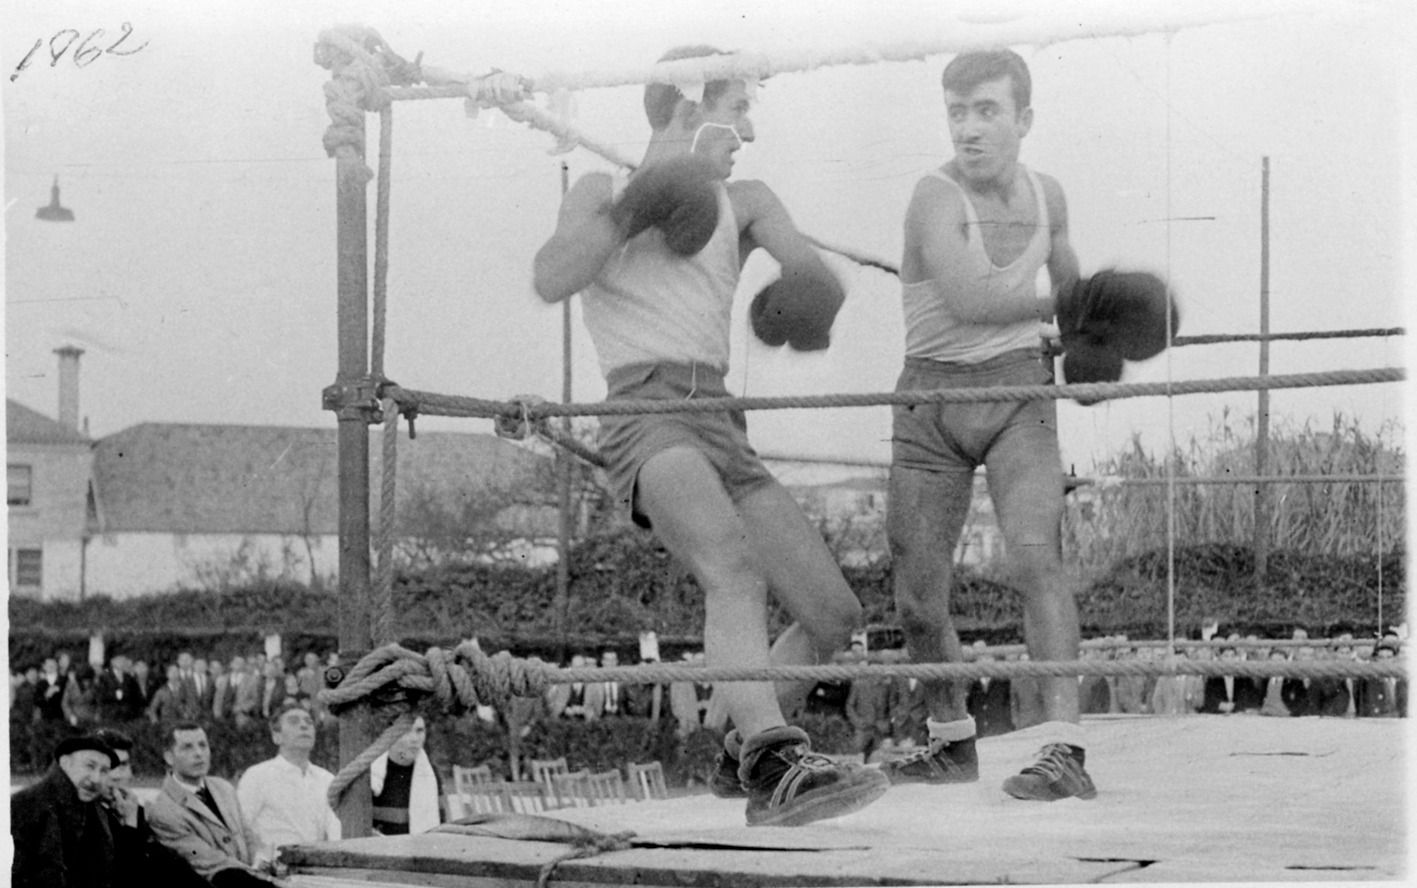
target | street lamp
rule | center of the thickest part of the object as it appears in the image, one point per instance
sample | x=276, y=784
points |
x=54, y=212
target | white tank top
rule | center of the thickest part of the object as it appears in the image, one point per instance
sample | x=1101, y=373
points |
x=932, y=332
x=649, y=305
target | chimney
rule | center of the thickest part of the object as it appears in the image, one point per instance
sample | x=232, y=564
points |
x=69, y=386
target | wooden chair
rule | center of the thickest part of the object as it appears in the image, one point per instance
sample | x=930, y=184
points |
x=542, y=769
x=648, y=780
x=571, y=789
x=465, y=783
x=522, y=796
x=607, y=788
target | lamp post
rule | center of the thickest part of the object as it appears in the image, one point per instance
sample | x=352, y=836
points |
x=54, y=212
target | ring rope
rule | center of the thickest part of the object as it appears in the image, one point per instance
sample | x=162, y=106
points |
x=454, y=405
x=1213, y=338
x=963, y=35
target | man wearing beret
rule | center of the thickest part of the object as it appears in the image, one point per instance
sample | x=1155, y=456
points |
x=63, y=837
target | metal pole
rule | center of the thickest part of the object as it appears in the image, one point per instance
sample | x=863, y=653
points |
x=1261, y=539
x=563, y=476
x=356, y=809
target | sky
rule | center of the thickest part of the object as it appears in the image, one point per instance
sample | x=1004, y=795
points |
x=199, y=273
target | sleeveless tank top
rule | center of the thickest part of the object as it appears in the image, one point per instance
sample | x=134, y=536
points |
x=650, y=305
x=932, y=332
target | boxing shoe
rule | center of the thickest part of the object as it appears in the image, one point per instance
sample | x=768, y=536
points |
x=939, y=762
x=789, y=785
x=1058, y=773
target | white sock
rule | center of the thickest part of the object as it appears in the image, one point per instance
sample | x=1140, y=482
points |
x=951, y=731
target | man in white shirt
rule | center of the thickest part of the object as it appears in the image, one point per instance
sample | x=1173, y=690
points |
x=283, y=798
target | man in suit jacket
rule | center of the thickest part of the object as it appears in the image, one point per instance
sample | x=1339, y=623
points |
x=198, y=815
x=868, y=710
x=116, y=692
x=1228, y=694
x=49, y=692
x=990, y=701
x=908, y=706
x=247, y=706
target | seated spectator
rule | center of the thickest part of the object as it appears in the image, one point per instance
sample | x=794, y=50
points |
x=1168, y=694
x=1133, y=692
x=80, y=705
x=1296, y=691
x=60, y=831
x=568, y=700
x=1094, y=691
x=199, y=816
x=868, y=709
x=408, y=793
x=1273, y=703
x=1025, y=698
x=1227, y=694
x=685, y=703
x=1328, y=694
x=283, y=798
x=646, y=699
x=908, y=707
x=146, y=861
x=604, y=698
x=1383, y=697
x=989, y=699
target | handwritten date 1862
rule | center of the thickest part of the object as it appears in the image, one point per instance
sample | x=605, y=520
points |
x=86, y=49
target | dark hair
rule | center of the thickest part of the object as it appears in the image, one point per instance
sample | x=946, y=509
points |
x=169, y=736
x=287, y=705
x=662, y=98
x=967, y=70
x=116, y=739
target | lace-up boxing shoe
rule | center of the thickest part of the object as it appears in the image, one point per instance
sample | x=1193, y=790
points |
x=940, y=762
x=725, y=783
x=1057, y=774
x=788, y=785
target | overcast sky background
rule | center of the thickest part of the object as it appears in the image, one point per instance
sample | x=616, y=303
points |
x=199, y=275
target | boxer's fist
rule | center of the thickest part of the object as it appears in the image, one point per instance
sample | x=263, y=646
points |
x=1125, y=311
x=678, y=196
x=798, y=308
x=1089, y=362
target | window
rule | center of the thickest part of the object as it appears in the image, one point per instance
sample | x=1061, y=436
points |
x=27, y=567
x=19, y=480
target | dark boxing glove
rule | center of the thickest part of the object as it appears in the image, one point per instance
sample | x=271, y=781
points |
x=798, y=308
x=1125, y=311
x=678, y=196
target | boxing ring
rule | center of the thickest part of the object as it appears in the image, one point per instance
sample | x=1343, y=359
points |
x=1248, y=798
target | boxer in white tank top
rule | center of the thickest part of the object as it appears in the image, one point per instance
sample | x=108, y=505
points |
x=977, y=233
x=659, y=321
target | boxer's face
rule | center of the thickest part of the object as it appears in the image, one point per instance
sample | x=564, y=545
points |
x=986, y=129
x=723, y=126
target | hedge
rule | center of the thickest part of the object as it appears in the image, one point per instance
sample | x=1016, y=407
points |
x=623, y=583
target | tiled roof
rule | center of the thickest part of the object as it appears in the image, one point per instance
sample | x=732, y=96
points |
x=180, y=478
x=26, y=426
